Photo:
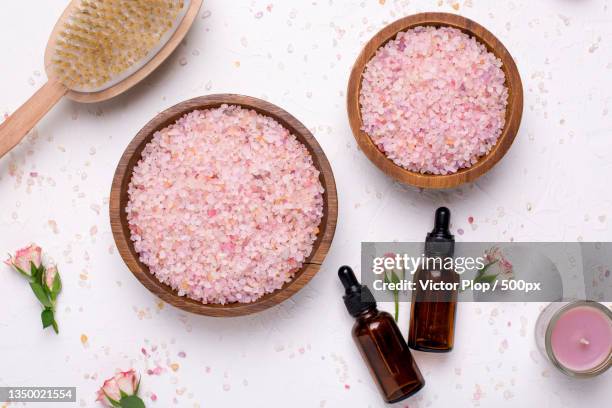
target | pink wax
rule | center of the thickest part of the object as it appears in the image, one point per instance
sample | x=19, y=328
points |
x=581, y=339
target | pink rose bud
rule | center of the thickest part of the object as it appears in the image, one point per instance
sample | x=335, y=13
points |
x=24, y=256
x=126, y=382
x=109, y=391
x=50, y=274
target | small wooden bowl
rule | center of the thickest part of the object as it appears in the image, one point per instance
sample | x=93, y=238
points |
x=119, y=199
x=514, y=111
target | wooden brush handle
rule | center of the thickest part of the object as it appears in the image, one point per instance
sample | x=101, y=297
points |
x=16, y=126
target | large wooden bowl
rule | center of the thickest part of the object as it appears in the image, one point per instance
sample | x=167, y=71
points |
x=514, y=111
x=119, y=200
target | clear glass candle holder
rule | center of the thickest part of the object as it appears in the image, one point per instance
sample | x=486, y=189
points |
x=584, y=336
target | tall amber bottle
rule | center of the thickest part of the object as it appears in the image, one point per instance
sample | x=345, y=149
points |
x=380, y=342
x=433, y=312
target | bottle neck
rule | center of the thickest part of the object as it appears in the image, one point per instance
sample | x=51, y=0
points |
x=367, y=313
x=439, y=249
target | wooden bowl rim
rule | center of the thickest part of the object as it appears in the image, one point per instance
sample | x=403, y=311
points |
x=514, y=109
x=162, y=54
x=132, y=155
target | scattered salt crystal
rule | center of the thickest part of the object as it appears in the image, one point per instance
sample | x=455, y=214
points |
x=156, y=371
x=434, y=100
x=224, y=205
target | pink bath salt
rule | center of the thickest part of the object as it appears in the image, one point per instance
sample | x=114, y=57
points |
x=224, y=205
x=228, y=247
x=433, y=100
x=156, y=371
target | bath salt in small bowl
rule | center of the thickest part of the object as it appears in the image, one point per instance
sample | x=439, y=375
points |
x=435, y=100
x=223, y=205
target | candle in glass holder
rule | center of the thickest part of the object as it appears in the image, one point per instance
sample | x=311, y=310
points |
x=576, y=337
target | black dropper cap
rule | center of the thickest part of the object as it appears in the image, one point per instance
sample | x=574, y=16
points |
x=357, y=297
x=440, y=241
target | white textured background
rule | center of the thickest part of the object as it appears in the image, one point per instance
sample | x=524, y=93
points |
x=554, y=185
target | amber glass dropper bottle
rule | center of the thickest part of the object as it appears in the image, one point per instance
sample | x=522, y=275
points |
x=380, y=342
x=432, y=313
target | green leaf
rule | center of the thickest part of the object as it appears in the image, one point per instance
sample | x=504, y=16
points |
x=37, y=273
x=33, y=269
x=47, y=317
x=484, y=270
x=41, y=294
x=394, y=277
x=41, y=273
x=396, y=301
x=137, y=386
x=132, y=402
x=56, y=287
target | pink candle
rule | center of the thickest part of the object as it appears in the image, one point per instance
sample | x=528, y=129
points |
x=576, y=337
x=581, y=338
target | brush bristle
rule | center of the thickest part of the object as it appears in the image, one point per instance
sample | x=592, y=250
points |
x=103, y=39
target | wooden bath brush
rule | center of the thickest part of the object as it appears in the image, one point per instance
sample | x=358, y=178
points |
x=99, y=49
